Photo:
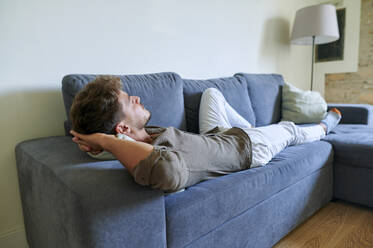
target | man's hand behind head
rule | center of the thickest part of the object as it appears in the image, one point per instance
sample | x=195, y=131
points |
x=85, y=148
x=89, y=142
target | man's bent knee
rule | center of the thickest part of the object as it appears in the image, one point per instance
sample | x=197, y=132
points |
x=213, y=93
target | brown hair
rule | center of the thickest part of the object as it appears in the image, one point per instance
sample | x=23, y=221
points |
x=96, y=107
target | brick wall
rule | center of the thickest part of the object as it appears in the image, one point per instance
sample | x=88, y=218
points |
x=356, y=87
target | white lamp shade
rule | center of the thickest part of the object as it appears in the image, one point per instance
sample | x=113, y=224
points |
x=317, y=20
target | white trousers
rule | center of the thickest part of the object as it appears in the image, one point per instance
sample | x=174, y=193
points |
x=267, y=141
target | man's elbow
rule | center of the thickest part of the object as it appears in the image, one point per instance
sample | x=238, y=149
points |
x=166, y=177
x=168, y=172
x=169, y=177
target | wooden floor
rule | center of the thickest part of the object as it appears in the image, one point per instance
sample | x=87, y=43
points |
x=338, y=224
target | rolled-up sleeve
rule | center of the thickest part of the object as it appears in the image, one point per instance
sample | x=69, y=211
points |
x=163, y=169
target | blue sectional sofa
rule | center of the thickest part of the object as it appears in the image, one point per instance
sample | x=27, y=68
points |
x=72, y=200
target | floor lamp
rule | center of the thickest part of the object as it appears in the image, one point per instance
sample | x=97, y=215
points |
x=315, y=24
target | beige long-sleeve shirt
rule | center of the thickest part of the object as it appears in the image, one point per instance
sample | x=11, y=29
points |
x=181, y=159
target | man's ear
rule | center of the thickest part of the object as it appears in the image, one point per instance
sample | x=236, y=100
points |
x=122, y=128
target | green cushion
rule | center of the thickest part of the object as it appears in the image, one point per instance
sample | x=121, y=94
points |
x=301, y=106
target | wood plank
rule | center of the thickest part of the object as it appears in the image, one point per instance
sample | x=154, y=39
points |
x=338, y=224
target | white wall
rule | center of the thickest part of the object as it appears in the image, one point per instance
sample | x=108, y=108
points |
x=42, y=40
x=298, y=68
x=351, y=47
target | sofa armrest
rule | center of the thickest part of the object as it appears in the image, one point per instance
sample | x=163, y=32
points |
x=354, y=113
x=72, y=200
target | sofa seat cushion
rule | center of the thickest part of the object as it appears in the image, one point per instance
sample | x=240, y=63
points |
x=234, y=91
x=349, y=128
x=207, y=205
x=353, y=145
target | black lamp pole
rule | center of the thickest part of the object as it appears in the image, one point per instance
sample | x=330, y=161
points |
x=313, y=59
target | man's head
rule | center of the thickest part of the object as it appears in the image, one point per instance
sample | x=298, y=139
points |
x=103, y=107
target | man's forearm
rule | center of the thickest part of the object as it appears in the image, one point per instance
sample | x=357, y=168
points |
x=129, y=153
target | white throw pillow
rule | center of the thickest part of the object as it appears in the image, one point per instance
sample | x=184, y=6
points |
x=301, y=106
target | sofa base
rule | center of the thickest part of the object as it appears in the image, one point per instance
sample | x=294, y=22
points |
x=75, y=201
x=353, y=184
x=269, y=221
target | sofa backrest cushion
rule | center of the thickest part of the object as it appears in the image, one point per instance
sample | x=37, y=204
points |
x=160, y=93
x=265, y=91
x=234, y=91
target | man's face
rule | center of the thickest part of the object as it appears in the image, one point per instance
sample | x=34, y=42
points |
x=135, y=113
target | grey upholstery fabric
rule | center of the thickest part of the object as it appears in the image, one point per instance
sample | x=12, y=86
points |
x=208, y=205
x=354, y=113
x=160, y=93
x=270, y=220
x=353, y=147
x=234, y=91
x=353, y=184
x=353, y=167
x=265, y=91
x=72, y=200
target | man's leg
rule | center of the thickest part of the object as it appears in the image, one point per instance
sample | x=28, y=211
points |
x=269, y=140
x=215, y=111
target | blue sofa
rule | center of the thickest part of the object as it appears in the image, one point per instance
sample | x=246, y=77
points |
x=72, y=200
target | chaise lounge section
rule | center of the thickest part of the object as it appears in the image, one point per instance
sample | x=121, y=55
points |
x=72, y=200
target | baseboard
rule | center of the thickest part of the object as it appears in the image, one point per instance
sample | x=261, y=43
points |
x=14, y=238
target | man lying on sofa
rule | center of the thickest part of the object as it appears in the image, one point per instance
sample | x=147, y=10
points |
x=171, y=159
